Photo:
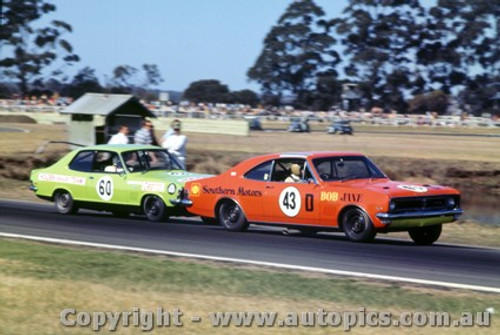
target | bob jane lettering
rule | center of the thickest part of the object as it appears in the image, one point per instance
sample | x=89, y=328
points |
x=241, y=191
x=346, y=197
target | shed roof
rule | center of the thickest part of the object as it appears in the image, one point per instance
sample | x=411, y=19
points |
x=103, y=104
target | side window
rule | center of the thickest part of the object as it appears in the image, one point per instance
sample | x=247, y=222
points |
x=82, y=161
x=106, y=161
x=283, y=170
x=260, y=172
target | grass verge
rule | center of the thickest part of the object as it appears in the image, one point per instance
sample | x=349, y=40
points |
x=38, y=281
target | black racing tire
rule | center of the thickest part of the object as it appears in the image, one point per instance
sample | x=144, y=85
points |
x=231, y=216
x=425, y=235
x=357, y=226
x=209, y=221
x=154, y=208
x=64, y=203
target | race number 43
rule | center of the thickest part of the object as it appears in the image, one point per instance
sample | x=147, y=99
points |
x=290, y=201
x=104, y=188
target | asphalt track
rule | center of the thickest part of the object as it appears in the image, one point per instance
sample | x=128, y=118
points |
x=385, y=256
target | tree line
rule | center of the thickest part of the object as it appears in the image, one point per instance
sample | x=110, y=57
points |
x=399, y=54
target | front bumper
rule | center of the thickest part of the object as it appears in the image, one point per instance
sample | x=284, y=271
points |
x=33, y=188
x=181, y=202
x=418, y=219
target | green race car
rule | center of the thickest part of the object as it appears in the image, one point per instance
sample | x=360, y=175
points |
x=121, y=179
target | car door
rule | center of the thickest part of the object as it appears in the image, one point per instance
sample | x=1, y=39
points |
x=107, y=179
x=291, y=202
x=252, y=189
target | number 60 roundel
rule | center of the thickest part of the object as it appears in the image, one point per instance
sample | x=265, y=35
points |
x=104, y=188
x=290, y=201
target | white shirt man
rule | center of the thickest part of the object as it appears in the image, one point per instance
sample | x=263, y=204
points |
x=176, y=143
x=120, y=137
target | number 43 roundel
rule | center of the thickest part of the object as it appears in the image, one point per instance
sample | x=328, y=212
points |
x=290, y=201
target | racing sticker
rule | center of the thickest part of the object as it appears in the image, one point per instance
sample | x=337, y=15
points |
x=104, y=188
x=290, y=201
x=177, y=174
x=195, y=190
x=149, y=186
x=414, y=188
x=171, y=188
x=58, y=178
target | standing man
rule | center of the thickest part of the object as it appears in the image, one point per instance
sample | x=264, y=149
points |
x=176, y=143
x=144, y=135
x=121, y=136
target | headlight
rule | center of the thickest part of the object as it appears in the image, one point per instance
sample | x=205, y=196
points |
x=392, y=206
x=451, y=202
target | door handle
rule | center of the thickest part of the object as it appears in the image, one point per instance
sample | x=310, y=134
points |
x=90, y=177
x=268, y=186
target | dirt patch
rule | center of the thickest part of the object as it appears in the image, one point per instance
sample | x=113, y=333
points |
x=16, y=119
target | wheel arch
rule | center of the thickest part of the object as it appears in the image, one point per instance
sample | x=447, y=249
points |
x=59, y=189
x=219, y=203
x=345, y=209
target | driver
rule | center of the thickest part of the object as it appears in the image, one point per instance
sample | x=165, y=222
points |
x=295, y=174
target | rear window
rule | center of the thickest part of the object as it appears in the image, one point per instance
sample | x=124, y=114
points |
x=82, y=161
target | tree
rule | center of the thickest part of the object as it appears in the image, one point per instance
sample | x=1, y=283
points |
x=152, y=75
x=436, y=101
x=380, y=38
x=32, y=50
x=210, y=90
x=84, y=81
x=123, y=76
x=296, y=51
x=245, y=97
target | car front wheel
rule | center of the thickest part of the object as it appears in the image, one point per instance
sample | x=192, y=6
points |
x=425, y=235
x=231, y=217
x=357, y=226
x=154, y=208
x=64, y=203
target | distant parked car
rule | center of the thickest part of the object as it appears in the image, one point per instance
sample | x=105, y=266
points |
x=342, y=127
x=254, y=123
x=299, y=126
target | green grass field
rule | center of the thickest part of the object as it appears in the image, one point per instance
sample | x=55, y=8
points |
x=38, y=281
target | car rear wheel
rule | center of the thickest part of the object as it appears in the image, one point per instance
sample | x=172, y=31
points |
x=357, y=226
x=231, y=217
x=154, y=208
x=64, y=203
x=425, y=235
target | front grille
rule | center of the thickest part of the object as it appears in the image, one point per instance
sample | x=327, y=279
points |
x=433, y=203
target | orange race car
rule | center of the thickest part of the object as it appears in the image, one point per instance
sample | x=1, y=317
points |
x=321, y=191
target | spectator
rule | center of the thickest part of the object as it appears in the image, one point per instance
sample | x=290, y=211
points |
x=120, y=137
x=176, y=143
x=144, y=135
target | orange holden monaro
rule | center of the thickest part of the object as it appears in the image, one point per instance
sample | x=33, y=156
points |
x=321, y=191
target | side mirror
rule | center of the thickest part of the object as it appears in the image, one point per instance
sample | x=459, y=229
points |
x=311, y=181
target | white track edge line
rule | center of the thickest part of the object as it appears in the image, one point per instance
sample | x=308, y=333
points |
x=259, y=263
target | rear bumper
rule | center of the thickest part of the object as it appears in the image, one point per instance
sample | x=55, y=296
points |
x=33, y=188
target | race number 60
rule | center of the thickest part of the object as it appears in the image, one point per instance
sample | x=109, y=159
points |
x=104, y=188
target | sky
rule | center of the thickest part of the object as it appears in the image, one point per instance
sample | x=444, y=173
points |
x=189, y=40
